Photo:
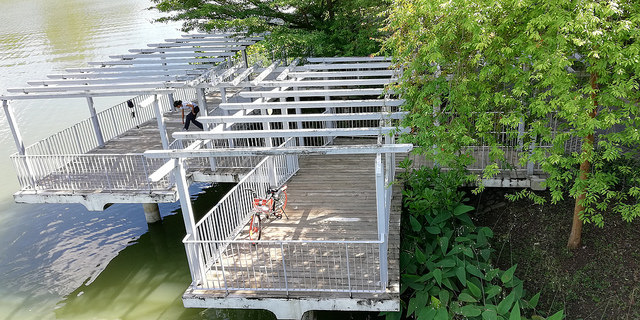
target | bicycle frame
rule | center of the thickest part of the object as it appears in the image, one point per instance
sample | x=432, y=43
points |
x=274, y=204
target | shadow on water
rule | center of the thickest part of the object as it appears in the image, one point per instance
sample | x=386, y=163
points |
x=146, y=280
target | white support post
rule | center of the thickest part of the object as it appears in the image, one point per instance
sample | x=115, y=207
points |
x=381, y=217
x=180, y=176
x=13, y=125
x=298, y=111
x=202, y=102
x=161, y=126
x=17, y=138
x=223, y=95
x=328, y=110
x=94, y=120
x=389, y=170
x=273, y=176
x=245, y=58
x=171, y=100
x=182, y=185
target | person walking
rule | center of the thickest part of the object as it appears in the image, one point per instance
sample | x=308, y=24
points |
x=191, y=116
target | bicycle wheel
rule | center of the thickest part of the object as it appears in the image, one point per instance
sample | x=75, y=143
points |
x=282, y=200
x=255, y=231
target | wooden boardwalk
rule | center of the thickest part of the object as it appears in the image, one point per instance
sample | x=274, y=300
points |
x=331, y=198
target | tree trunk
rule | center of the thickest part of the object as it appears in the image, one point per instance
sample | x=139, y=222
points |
x=575, y=238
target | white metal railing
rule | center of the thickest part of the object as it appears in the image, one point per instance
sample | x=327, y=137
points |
x=289, y=266
x=80, y=138
x=88, y=172
x=219, y=261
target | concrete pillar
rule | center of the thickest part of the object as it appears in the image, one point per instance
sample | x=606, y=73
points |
x=310, y=315
x=151, y=212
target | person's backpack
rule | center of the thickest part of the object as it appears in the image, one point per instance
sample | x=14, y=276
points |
x=196, y=109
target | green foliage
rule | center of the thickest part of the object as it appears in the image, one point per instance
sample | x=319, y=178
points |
x=302, y=27
x=475, y=72
x=445, y=263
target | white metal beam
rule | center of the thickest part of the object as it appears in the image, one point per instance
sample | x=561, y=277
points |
x=184, y=54
x=288, y=69
x=151, y=85
x=346, y=59
x=304, y=117
x=242, y=76
x=270, y=151
x=342, y=74
x=312, y=93
x=13, y=125
x=136, y=68
x=99, y=73
x=209, y=48
x=118, y=93
x=199, y=43
x=213, y=39
x=266, y=72
x=346, y=132
x=328, y=83
x=330, y=66
x=160, y=62
x=156, y=79
x=313, y=104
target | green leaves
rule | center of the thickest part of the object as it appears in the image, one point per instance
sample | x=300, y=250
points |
x=507, y=276
x=415, y=224
x=450, y=261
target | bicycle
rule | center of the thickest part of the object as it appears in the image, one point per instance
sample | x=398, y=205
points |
x=273, y=205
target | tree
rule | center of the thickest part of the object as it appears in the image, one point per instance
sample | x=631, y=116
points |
x=304, y=27
x=549, y=73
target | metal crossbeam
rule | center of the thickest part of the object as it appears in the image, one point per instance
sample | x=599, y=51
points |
x=154, y=61
x=346, y=59
x=64, y=95
x=199, y=43
x=270, y=151
x=209, y=48
x=158, y=79
x=96, y=75
x=183, y=54
x=327, y=66
x=150, y=85
x=143, y=68
x=288, y=133
x=314, y=104
x=304, y=117
x=327, y=83
x=342, y=74
x=312, y=93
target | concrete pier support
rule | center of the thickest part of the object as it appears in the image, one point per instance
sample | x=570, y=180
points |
x=151, y=212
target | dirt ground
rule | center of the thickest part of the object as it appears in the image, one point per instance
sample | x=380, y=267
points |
x=600, y=280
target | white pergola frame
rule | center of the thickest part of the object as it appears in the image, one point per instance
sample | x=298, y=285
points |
x=149, y=72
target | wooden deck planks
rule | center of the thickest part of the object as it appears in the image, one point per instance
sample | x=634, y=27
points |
x=330, y=198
